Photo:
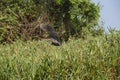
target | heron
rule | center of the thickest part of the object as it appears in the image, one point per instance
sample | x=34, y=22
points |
x=52, y=34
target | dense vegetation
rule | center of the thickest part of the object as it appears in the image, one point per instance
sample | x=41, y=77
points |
x=97, y=58
x=18, y=18
x=88, y=54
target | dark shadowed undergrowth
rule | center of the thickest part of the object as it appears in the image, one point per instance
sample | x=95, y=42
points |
x=96, y=58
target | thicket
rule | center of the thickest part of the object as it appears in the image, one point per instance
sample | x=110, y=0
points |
x=18, y=18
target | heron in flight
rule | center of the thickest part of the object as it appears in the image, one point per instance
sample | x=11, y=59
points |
x=52, y=35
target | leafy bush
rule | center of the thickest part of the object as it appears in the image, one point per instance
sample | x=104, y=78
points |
x=15, y=14
x=20, y=17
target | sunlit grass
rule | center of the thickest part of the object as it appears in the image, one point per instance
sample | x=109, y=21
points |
x=96, y=58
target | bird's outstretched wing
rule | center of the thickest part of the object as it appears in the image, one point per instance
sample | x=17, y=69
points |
x=52, y=34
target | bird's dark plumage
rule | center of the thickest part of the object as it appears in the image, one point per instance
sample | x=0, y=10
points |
x=52, y=34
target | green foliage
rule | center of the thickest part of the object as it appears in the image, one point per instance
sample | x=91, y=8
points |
x=84, y=14
x=97, y=58
x=14, y=14
x=69, y=17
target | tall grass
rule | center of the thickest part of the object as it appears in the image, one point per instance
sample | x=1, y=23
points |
x=96, y=58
